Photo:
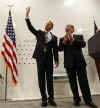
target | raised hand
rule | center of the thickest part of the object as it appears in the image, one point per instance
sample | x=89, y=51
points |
x=65, y=38
x=70, y=37
x=27, y=11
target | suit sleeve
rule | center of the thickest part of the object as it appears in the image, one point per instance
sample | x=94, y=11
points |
x=61, y=45
x=79, y=43
x=30, y=27
x=55, y=51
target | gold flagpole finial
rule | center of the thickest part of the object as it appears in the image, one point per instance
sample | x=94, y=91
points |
x=10, y=7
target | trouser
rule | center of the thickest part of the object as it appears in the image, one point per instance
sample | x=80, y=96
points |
x=45, y=79
x=81, y=74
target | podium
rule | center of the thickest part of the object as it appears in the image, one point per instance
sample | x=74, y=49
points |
x=94, y=50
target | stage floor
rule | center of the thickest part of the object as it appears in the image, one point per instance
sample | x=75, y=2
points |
x=62, y=103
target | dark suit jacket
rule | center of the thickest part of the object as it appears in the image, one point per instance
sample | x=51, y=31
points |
x=52, y=47
x=73, y=55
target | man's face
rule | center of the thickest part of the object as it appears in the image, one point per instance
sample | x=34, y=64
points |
x=69, y=29
x=49, y=26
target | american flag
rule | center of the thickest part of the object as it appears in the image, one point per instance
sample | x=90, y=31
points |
x=95, y=27
x=9, y=49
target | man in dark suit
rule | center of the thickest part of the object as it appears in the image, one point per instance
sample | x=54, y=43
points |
x=75, y=65
x=46, y=48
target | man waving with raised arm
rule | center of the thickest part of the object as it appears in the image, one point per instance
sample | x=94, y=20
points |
x=46, y=48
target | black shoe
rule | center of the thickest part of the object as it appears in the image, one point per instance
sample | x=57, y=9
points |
x=44, y=104
x=92, y=105
x=77, y=102
x=52, y=103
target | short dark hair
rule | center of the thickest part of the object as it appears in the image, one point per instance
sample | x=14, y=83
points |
x=72, y=26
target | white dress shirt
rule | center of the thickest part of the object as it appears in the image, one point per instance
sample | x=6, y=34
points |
x=48, y=37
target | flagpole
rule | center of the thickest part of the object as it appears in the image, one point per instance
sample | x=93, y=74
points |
x=6, y=84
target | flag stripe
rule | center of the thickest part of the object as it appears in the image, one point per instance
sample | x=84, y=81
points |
x=9, y=65
x=14, y=73
x=11, y=57
x=10, y=62
x=9, y=44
